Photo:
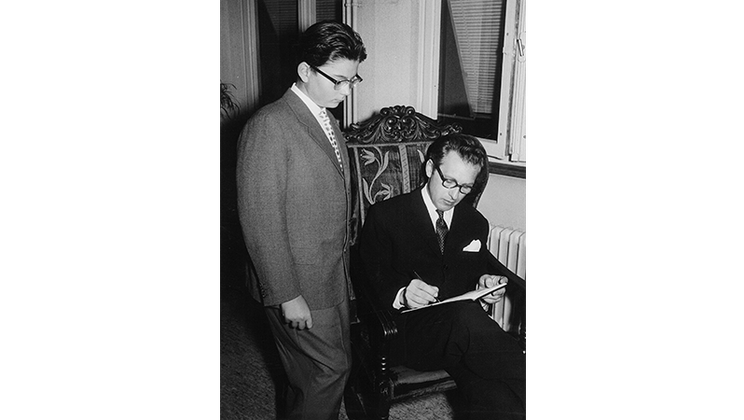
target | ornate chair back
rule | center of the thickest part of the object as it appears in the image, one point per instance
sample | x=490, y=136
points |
x=387, y=155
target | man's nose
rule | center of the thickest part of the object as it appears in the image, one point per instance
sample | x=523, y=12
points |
x=346, y=90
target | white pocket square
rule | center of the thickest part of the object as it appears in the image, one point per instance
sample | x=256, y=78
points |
x=474, y=246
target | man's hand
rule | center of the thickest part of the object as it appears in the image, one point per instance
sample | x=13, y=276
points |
x=297, y=314
x=488, y=280
x=418, y=294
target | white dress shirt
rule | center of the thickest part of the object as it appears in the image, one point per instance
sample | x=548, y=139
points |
x=434, y=216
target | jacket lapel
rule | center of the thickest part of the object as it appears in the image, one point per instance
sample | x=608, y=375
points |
x=315, y=131
x=421, y=222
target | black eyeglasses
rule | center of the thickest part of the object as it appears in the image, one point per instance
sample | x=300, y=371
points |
x=340, y=84
x=451, y=183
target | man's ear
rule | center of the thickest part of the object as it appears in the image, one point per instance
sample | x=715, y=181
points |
x=429, y=169
x=303, y=71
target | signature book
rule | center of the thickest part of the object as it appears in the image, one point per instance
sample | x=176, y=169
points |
x=472, y=295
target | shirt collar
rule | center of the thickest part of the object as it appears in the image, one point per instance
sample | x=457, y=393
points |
x=312, y=106
x=432, y=210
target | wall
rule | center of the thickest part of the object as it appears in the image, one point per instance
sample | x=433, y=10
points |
x=390, y=30
x=504, y=201
x=238, y=51
x=389, y=39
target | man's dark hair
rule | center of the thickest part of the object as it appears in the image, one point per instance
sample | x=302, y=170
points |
x=468, y=147
x=329, y=41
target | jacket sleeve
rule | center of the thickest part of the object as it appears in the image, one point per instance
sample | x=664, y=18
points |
x=376, y=249
x=262, y=176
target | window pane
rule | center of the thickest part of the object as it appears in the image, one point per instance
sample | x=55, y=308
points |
x=471, y=63
x=277, y=24
x=477, y=25
x=328, y=10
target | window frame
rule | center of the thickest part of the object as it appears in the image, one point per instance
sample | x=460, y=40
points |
x=508, y=150
x=512, y=127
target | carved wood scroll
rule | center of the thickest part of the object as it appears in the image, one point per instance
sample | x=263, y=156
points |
x=398, y=124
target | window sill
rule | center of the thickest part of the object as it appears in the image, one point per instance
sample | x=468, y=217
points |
x=514, y=170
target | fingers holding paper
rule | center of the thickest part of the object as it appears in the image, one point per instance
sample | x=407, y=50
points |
x=488, y=280
x=418, y=294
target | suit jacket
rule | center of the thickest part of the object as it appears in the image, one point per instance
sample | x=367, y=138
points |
x=294, y=205
x=399, y=238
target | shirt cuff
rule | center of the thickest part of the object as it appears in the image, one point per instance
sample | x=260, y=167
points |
x=485, y=306
x=396, y=302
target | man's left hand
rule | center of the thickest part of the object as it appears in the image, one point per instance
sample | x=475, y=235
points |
x=489, y=280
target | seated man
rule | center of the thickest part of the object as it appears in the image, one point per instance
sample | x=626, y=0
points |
x=421, y=247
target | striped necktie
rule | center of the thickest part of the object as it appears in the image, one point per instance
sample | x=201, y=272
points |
x=326, y=122
x=441, y=230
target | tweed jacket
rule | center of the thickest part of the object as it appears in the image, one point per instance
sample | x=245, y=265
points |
x=294, y=204
x=398, y=238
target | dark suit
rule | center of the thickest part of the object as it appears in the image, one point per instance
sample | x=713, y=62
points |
x=294, y=207
x=487, y=364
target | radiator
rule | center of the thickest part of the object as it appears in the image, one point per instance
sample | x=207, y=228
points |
x=508, y=245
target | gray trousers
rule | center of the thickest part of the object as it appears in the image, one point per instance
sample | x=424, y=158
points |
x=317, y=361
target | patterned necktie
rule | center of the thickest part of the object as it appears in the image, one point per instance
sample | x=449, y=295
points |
x=331, y=136
x=441, y=230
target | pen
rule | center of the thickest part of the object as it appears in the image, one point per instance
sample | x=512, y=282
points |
x=418, y=276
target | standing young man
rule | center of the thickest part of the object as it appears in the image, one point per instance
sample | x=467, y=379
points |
x=294, y=203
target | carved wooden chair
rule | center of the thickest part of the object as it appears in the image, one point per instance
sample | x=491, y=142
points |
x=387, y=158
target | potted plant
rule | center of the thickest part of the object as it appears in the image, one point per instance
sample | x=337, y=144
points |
x=227, y=102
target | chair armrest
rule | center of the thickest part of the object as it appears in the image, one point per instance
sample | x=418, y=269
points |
x=379, y=317
x=382, y=324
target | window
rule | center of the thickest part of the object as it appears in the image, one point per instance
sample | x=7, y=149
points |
x=278, y=30
x=469, y=64
x=481, y=73
x=328, y=10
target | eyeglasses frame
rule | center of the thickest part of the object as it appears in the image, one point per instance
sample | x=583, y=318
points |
x=445, y=180
x=337, y=83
